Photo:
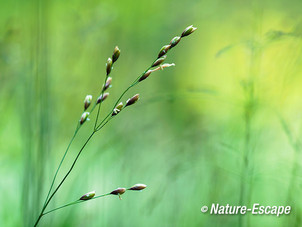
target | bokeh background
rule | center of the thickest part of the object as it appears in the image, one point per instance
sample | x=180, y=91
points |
x=222, y=126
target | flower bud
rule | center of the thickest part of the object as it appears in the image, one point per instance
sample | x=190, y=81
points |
x=88, y=196
x=84, y=117
x=87, y=101
x=146, y=74
x=189, y=30
x=118, y=191
x=159, y=61
x=108, y=66
x=107, y=84
x=164, y=50
x=138, y=187
x=102, y=97
x=175, y=41
x=132, y=100
x=116, y=54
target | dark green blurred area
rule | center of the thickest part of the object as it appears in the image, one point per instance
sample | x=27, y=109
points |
x=222, y=126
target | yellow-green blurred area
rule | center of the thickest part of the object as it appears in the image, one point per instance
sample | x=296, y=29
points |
x=222, y=126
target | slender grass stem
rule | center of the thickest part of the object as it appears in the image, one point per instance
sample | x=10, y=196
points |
x=55, y=176
x=57, y=188
x=66, y=151
x=75, y=202
x=69, y=171
x=102, y=93
x=63, y=158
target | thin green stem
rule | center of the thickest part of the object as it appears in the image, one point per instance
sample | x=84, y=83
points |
x=102, y=93
x=72, y=166
x=69, y=204
x=103, y=125
x=62, y=181
x=54, y=178
x=63, y=158
x=75, y=202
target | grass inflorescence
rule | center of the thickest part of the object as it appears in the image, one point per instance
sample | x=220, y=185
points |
x=118, y=107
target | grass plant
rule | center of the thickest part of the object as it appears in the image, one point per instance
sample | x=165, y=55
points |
x=118, y=107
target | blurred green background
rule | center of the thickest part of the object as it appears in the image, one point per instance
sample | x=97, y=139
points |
x=223, y=126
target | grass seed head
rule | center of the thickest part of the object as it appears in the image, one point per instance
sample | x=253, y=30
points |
x=102, y=97
x=146, y=74
x=119, y=106
x=108, y=66
x=138, y=187
x=175, y=41
x=189, y=30
x=107, y=84
x=164, y=50
x=115, y=112
x=84, y=117
x=118, y=191
x=159, y=61
x=132, y=100
x=117, y=109
x=87, y=101
x=116, y=54
x=88, y=196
